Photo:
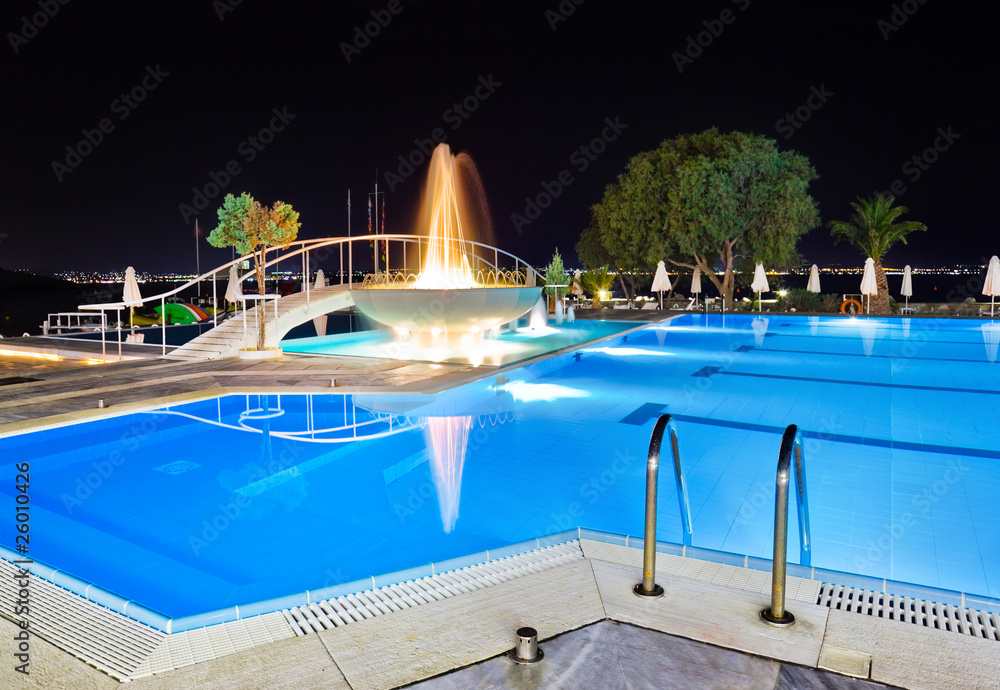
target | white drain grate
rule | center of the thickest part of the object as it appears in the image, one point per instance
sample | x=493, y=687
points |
x=908, y=610
x=123, y=648
x=334, y=613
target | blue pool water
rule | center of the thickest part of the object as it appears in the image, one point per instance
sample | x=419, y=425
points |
x=230, y=501
x=503, y=350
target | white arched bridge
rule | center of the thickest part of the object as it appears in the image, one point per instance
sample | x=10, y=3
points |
x=280, y=314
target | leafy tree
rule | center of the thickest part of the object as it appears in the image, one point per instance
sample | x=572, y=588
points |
x=873, y=230
x=705, y=200
x=555, y=274
x=596, y=281
x=253, y=228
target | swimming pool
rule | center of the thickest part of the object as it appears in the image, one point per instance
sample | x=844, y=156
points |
x=236, y=500
x=500, y=350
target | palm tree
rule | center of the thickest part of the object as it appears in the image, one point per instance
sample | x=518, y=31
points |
x=595, y=282
x=872, y=230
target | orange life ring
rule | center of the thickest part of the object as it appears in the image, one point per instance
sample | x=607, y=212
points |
x=843, y=307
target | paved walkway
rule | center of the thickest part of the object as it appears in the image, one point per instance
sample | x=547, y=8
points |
x=613, y=656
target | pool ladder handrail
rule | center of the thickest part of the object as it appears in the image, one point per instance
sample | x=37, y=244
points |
x=791, y=445
x=648, y=586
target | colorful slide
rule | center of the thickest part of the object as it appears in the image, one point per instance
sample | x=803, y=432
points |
x=183, y=313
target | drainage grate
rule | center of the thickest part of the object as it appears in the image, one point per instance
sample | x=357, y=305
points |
x=335, y=613
x=179, y=467
x=929, y=614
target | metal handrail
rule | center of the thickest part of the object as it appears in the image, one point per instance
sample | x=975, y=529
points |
x=303, y=249
x=791, y=444
x=648, y=586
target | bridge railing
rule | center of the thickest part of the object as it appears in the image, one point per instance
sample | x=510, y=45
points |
x=390, y=254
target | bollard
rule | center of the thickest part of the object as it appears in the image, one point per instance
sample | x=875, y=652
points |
x=526, y=651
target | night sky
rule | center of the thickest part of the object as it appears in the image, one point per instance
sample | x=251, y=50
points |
x=545, y=78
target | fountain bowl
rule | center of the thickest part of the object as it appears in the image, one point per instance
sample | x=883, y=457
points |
x=425, y=310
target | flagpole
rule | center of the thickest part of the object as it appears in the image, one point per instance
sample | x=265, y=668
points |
x=197, y=256
x=349, y=245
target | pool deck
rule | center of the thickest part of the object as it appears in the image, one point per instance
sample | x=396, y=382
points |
x=705, y=632
x=595, y=633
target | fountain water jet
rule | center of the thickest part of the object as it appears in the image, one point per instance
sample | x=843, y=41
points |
x=446, y=305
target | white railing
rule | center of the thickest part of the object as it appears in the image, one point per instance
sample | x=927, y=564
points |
x=70, y=317
x=398, y=260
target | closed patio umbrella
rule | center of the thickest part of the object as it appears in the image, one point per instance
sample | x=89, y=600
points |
x=661, y=281
x=868, y=285
x=131, y=293
x=813, y=285
x=234, y=293
x=759, y=284
x=696, y=284
x=320, y=321
x=907, y=289
x=576, y=290
x=991, y=286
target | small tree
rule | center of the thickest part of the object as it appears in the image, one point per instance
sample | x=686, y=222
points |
x=555, y=274
x=595, y=282
x=252, y=228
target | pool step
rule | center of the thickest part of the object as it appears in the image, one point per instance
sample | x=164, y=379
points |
x=350, y=608
x=226, y=339
x=929, y=614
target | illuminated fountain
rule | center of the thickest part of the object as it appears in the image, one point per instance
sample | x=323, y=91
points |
x=447, y=304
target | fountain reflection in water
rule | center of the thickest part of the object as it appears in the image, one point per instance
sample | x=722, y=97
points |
x=448, y=438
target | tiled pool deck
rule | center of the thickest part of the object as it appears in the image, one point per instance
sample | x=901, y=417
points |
x=476, y=627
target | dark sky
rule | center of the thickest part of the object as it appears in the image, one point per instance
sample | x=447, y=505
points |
x=219, y=80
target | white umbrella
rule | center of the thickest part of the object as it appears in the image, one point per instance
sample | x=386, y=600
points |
x=131, y=292
x=868, y=286
x=577, y=290
x=813, y=285
x=234, y=293
x=661, y=281
x=320, y=321
x=991, y=338
x=991, y=286
x=907, y=289
x=759, y=284
x=696, y=284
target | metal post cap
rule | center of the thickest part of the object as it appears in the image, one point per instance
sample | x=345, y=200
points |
x=526, y=651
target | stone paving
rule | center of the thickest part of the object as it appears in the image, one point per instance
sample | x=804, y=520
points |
x=69, y=390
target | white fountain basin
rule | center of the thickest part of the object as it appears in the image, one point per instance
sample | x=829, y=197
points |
x=423, y=311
